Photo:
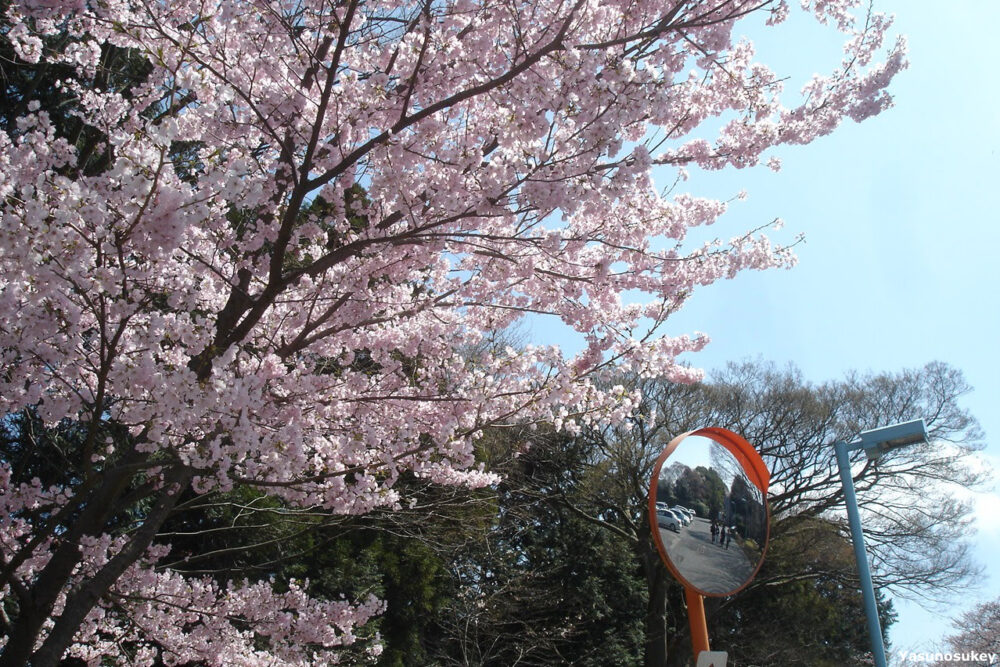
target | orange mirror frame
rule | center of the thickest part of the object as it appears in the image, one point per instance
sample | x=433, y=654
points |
x=756, y=472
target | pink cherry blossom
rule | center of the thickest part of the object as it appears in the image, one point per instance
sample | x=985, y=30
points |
x=379, y=188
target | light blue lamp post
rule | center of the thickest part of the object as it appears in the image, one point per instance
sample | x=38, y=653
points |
x=875, y=443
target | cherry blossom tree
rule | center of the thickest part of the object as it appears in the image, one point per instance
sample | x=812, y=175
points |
x=976, y=642
x=305, y=218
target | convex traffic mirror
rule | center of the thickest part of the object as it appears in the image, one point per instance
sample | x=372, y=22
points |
x=708, y=510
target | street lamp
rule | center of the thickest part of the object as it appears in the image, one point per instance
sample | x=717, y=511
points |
x=875, y=442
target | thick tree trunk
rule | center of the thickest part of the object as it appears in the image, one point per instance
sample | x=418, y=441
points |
x=44, y=591
x=53, y=579
x=656, y=608
x=81, y=600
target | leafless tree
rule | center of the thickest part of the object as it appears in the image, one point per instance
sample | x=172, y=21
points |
x=917, y=529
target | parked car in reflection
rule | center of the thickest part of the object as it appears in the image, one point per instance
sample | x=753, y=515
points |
x=669, y=519
x=685, y=513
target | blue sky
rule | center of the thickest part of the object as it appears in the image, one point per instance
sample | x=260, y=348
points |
x=899, y=263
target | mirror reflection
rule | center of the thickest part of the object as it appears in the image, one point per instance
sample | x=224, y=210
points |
x=711, y=518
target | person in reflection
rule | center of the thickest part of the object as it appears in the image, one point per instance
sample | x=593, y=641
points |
x=722, y=535
x=714, y=530
x=729, y=536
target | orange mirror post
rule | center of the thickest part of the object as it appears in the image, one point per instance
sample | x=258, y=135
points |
x=696, y=619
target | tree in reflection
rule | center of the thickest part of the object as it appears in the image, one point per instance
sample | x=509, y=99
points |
x=700, y=489
x=746, y=510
